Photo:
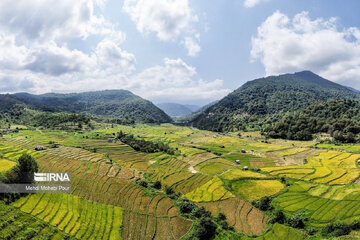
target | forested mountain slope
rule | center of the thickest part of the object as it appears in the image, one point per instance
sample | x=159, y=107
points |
x=119, y=104
x=258, y=99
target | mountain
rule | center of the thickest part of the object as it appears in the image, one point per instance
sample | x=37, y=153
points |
x=122, y=105
x=353, y=89
x=193, y=108
x=184, y=120
x=177, y=110
x=256, y=100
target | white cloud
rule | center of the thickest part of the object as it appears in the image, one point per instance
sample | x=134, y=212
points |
x=192, y=46
x=110, y=54
x=176, y=79
x=53, y=60
x=253, y=3
x=287, y=45
x=40, y=20
x=169, y=19
x=35, y=55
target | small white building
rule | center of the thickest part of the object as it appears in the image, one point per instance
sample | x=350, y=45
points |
x=237, y=161
x=243, y=150
x=245, y=168
x=40, y=148
x=358, y=161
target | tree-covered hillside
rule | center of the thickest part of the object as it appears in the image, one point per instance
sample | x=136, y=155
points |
x=256, y=100
x=119, y=105
x=338, y=117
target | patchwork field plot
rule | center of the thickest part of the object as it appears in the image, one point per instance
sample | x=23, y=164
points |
x=214, y=166
x=6, y=165
x=239, y=174
x=107, y=201
x=240, y=214
x=15, y=224
x=280, y=231
x=332, y=167
x=213, y=190
x=325, y=203
x=256, y=189
x=75, y=216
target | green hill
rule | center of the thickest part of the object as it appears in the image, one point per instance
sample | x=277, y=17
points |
x=256, y=100
x=121, y=105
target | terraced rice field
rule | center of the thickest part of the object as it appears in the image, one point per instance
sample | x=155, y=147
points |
x=107, y=203
x=6, y=165
x=240, y=174
x=324, y=203
x=251, y=190
x=15, y=224
x=280, y=231
x=111, y=186
x=240, y=214
x=332, y=167
x=75, y=216
x=213, y=190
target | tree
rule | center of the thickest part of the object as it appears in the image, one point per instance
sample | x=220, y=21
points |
x=23, y=172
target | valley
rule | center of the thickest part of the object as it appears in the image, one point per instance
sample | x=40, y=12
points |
x=113, y=194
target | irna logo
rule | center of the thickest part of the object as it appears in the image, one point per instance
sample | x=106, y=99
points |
x=52, y=177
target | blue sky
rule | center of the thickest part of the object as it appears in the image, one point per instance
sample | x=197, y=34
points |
x=174, y=50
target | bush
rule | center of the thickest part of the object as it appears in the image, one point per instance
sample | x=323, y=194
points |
x=205, y=229
x=296, y=221
x=311, y=231
x=143, y=184
x=263, y=204
x=278, y=217
x=157, y=185
x=186, y=206
x=336, y=229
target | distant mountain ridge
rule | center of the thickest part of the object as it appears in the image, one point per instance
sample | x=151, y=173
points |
x=266, y=96
x=176, y=109
x=120, y=104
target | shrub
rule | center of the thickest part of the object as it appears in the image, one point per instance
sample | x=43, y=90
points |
x=143, y=184
x=263, y=204
x=296, y=221
x=336, y=229
x=278, y=217
x=205, y=229
x=157, y=185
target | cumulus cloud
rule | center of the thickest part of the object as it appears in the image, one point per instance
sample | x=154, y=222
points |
x=176, y=79
x=287, y=45
x=40, y=20
x=35, y=55
x=253, y=3
x=54, y=60
x=110, y=54
x=169, y=19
